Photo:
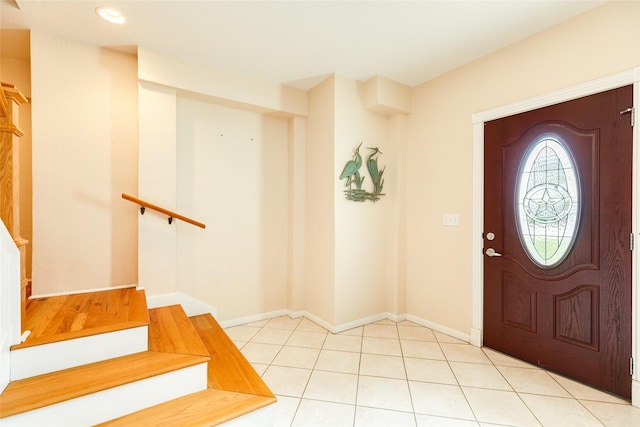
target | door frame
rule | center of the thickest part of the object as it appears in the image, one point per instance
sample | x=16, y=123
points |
x=477, y=256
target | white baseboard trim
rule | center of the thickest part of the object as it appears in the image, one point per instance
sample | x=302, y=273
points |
x=190, y=305
x=476, y=337
x=635, y=393
x=83, y=291
x=439, y=328
x=255, y=318
x=335, y=329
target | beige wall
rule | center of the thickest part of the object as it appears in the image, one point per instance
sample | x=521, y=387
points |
x=361, y=244
x=84, y=155
x=232, y=175
x=358, y=260
x=601, y=42
x=219, y=148
x=320, y=219
x=351, y=250
x=297, y=201
x=157, y=106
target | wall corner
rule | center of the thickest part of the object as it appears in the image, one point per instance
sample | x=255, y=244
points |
x=386, y=96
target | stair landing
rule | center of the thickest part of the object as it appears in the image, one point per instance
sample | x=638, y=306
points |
x=58, y=318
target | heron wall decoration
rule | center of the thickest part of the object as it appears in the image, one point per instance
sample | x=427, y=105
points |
x=351, y=173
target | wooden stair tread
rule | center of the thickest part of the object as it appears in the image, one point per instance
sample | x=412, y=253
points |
x=174, y=342
x=202, y=409
x=171, y=331
x=64, y=317
x=228, y=369
x=234, y=388
x=47, y=389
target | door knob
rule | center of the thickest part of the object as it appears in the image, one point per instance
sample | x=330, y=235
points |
x=492, y=252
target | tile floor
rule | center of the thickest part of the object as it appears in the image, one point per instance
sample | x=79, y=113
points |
x=403, y=374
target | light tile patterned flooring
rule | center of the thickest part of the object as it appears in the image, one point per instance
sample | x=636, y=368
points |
x=403, y=374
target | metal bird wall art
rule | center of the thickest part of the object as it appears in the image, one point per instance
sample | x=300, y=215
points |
x=376, y=174
x=351, y=173
x=351, y=169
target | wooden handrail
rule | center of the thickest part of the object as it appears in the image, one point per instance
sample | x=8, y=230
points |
x=171, y=214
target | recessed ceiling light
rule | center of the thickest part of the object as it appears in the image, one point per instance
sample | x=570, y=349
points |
x=110, y=15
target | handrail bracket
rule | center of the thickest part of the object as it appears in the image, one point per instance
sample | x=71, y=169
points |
x=143, y=205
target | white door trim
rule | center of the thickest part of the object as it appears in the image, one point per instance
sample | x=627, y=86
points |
x=478, y=120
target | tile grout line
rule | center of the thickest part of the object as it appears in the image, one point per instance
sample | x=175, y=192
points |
x=578, y=400
x=518, y=393
x=466, y=399
x=406, y=374
x=355, y=403
x=512, y=387
x=295, y=413
x=496, y=364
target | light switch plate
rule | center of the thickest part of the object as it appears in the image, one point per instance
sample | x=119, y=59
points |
x=451, y=220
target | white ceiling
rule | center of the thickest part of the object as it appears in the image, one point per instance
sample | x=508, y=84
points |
x=300, y=42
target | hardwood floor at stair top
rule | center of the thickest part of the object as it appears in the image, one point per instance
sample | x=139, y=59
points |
x=202, y=409
x=71, y=316
x=228, y=369
x=43, y=390
x=170, y=330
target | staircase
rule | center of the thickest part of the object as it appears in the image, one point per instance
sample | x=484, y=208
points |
x=103, y=358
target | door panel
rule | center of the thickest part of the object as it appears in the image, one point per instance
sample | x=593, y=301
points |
x=576, y=317
x=558, y=201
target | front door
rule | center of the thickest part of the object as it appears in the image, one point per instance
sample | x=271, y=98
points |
x=557, y=238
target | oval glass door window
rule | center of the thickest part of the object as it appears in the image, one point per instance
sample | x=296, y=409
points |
x=548, y=202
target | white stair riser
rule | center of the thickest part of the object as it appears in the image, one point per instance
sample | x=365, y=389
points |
x=263, y=417
x=42, y=359
x=108, y=404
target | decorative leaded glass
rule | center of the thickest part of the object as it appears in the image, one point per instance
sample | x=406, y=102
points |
x=548, y=202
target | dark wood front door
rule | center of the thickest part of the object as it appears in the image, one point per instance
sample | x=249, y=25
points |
x=557, y=236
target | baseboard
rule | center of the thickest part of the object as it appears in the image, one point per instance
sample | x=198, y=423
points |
x=191, y=306
x=335, y=329
x=255, y=318
x=439, y=328
x=476, y=337
x=635, y=393
x=194, y=307
x=82, y=291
